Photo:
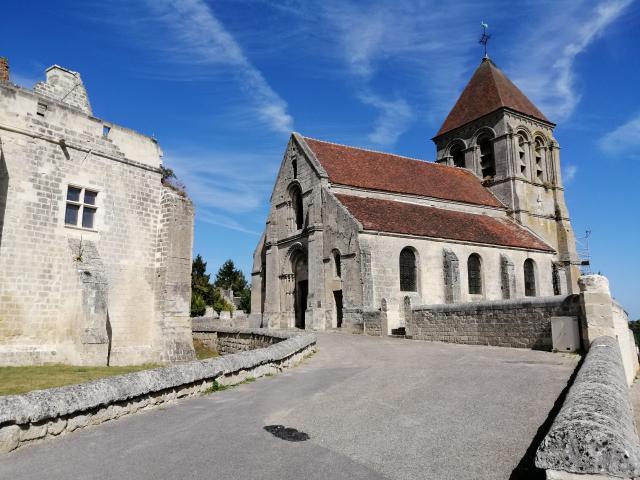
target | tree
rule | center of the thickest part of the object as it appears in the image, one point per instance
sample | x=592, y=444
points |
x=200, y=283
x=229, y=277
x=634, y=325
x=245, y=300
x=198, y=305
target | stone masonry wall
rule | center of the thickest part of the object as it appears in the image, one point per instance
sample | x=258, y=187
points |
x=227, y=342
x=42, y=152
x=522, y=323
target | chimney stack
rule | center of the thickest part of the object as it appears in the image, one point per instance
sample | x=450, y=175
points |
x=4, y=69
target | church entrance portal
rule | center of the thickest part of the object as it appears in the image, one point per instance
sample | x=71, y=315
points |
x=301, y=292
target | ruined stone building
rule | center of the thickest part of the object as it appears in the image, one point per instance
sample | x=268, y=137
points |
x=95, y=252
x=351, y=230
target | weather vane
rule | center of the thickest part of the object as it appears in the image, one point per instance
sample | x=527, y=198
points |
x=484, y=39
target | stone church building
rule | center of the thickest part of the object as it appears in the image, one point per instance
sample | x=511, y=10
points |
x=350, y=230
x=95, y=252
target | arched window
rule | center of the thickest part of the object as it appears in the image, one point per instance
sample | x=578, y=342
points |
x=296, y=203
x=487, y=161
x=522, y=155
x=540, y=159
x=529, y=278
x=474, y=273
x=458, y=156
x=294, y=166
x=408, y=271
x=336, y=264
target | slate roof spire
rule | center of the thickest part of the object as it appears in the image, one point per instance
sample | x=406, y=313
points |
x=488, y=90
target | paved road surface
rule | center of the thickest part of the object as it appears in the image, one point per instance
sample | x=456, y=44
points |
x=373, y=408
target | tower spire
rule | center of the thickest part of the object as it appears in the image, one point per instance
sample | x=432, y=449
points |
x=484, y=38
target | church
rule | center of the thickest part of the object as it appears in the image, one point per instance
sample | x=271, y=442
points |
x=351, y=229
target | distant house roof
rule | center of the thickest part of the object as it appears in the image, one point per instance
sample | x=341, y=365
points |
x=407, y=218
x=488, y=90
x=393, y=173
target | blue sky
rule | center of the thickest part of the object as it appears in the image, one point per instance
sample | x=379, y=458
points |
x=222, y=83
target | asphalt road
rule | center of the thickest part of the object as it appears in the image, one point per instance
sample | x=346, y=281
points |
x=372, y=408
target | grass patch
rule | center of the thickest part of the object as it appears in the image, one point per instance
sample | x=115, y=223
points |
x=216, y=387
x=15, y=380
x=203, y=351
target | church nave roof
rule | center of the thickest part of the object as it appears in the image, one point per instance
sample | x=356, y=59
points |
x=408, y=218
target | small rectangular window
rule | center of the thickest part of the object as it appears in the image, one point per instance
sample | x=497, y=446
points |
x=42, y=109
x=105, y=130
x=80, y=208
x=90, y=197
x=71, y=214
x=73, y=193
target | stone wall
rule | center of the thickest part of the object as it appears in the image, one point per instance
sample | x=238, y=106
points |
x=229, y=340
x=442, y=274
x=43, y=414
x=522, y=323
x=594, y=433
x=141, y=237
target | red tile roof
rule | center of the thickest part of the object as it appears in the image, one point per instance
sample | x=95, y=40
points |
x=393, y=173
x=488, y=90
x=400, y=217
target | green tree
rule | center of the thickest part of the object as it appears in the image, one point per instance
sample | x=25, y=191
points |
x=245, y=300
x=634, y=325
x=198, y=305
x=229, y=277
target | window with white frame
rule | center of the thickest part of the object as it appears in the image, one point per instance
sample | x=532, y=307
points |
x=81, y=207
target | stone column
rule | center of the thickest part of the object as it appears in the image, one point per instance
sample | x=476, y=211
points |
x=315, y=317
x=272, y=308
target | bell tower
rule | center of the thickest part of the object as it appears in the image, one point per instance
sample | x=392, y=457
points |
x=495, y=131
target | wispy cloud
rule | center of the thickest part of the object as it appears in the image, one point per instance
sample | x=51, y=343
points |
x=569, y=173
x=226, y=187
x=416, y=40
x=545, y=66
x=394, y=118
x=624, y=140
x=187, y=33
x=201, y=36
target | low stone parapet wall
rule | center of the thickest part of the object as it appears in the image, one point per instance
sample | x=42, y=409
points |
x=594, y=434
x=41, y=414
x=522, y=323
x=229, y=340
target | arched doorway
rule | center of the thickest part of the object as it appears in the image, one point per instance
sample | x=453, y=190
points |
x=300, y=270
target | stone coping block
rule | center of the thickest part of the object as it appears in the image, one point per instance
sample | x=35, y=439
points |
x=594, y=433
x=204, y=326
x=44, y=405
x=523, y=302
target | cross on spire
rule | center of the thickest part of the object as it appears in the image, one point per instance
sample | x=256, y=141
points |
x=484, y=38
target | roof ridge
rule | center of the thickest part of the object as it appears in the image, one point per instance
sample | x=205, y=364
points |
x=492, y=71
x=428, y=162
